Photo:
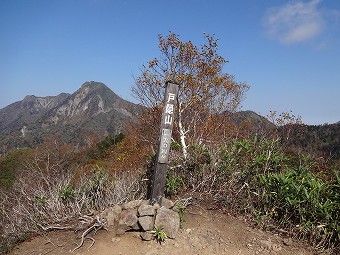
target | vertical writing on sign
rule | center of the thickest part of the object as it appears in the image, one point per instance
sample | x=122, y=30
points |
x=164, y=147
x=167, y=123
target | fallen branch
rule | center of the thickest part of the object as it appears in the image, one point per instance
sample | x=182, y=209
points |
x=184, y=201
x=47, y=228
x=93, y=241
x=88, y=223
x=96, y=226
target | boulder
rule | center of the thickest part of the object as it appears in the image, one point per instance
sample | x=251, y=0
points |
x=146, y=222
x=169, y=220
x=128, y=220
x=132, y=204
x=167, y=203
x=146, y=210
x=156, y=206
x=147, y=236
x=288, y=241
x=112, y=215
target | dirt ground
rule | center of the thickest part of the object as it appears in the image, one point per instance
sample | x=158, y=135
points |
x=205, y=232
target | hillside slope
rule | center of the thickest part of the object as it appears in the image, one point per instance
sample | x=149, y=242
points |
x=92, y=112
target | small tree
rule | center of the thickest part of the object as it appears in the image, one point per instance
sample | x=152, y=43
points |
x=205, y=90
x=287, y=125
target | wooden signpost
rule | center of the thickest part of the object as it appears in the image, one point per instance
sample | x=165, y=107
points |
x=161, y=161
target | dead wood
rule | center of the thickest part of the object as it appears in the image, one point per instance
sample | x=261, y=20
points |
x=85, y=222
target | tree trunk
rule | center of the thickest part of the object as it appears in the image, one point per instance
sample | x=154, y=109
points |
x=182, y=133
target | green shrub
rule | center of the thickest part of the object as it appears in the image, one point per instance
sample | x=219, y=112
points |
x=9, y=165
x=96, y=188
x=40, y=199
x=159, y=234
x=299, y=200
x=258, y=177
x=175, y=145
x=67, y=193
x=173, y=184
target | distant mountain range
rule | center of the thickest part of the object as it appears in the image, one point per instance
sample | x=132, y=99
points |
x=93, y=111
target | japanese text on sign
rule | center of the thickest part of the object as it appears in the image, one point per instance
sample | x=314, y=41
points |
x=170, y=101
x=169, y=109
x=164, y=146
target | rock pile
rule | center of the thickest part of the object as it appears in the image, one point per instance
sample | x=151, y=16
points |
x=139, y=215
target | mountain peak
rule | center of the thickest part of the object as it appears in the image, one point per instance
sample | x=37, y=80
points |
x=29, y=98
x=94, y=85
x=93, y=110
x=93, y=89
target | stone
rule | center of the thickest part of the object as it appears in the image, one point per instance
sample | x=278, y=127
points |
x=167, y=203
x=145, y=202
x=132, y=204
x=169, y=220
x=146, y=210
x=266, y=244
x=156, y=206
x=115, y=240
x=128, y=220
x=146, y=222
x=112, y=215
x=116, y=209
x=276, y=247
x=147, y=236
x=288, y=241
x=120, y=230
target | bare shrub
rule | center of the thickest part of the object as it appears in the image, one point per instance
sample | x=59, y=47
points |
x=101, y=189
x=46, y=193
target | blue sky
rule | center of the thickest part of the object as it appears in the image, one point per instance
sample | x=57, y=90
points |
x=287, y=51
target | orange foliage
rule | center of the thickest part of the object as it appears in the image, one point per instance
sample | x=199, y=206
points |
x=205, y=91
x=132, y=153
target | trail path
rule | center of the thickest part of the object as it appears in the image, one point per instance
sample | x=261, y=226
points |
x=205, y=232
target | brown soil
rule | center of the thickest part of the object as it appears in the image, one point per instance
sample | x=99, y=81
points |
x=205, y=232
